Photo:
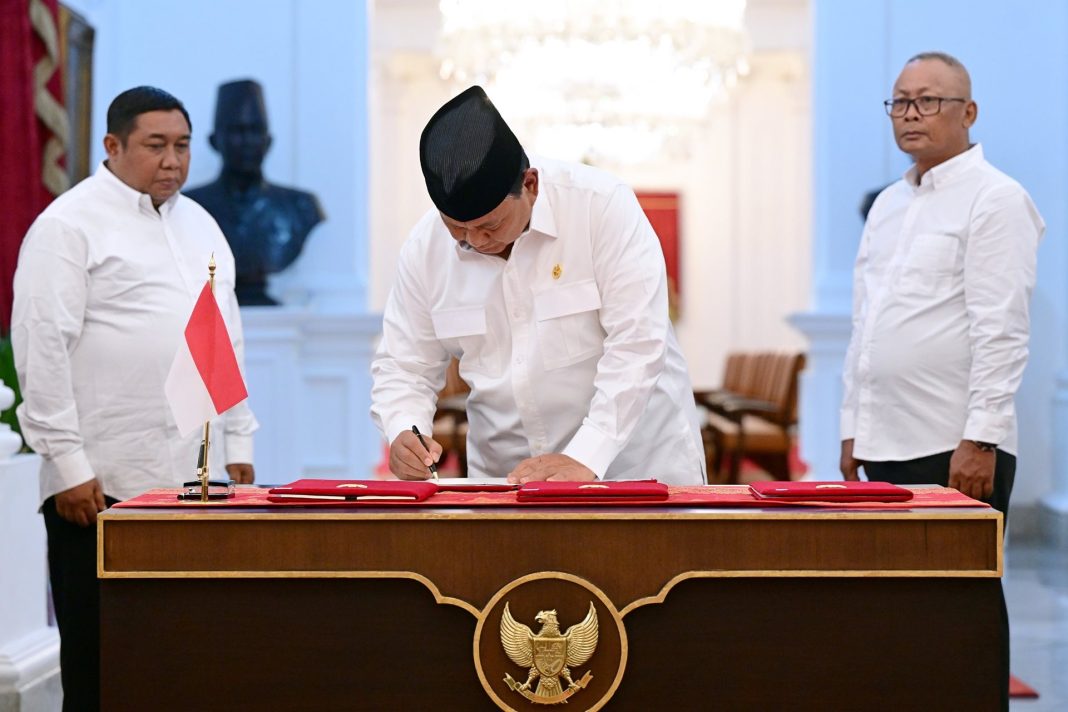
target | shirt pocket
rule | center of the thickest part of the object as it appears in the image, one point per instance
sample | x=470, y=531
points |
x=462, y=331
x=929, y=266
x=568, y=322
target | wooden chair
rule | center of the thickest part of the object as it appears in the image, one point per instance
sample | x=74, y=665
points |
x=754, y=416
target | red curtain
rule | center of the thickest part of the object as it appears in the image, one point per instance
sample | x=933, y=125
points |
x=23, y=134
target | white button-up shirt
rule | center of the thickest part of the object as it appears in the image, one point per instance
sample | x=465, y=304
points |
x=103, y=291
x=940, y=312
x=566, y=345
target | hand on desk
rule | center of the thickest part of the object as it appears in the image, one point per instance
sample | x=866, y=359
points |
x=551, y=468
x=241, y=472
x=409, y=460
x=971, y=470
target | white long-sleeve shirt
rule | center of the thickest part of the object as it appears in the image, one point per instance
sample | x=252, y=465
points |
x=566, y=345
x=104, y=288
x=941, y=289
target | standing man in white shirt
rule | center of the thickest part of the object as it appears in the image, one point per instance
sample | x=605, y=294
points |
x=940, y=302
x=941, y=292
x=107, y=277
x=548, y=284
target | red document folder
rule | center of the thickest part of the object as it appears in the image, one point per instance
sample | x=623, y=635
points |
x=352, y=490
x=837, y=491
x=590, y=492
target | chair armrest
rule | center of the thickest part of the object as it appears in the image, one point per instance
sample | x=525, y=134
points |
x=714, y=399
x=737, y=407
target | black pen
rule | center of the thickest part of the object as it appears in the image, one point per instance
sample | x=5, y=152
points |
x=433, y=468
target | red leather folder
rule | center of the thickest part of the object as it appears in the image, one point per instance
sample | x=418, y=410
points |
x=592, y=492
x=837, y=491
x=352, y=490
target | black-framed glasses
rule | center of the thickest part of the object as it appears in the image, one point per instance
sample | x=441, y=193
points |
x=925, y=105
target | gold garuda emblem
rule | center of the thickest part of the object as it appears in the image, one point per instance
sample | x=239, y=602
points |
x=550, y=654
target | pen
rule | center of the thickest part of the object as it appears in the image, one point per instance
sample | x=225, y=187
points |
x=433, y=468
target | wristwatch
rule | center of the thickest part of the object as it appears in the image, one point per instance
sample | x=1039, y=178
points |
x=985, y=447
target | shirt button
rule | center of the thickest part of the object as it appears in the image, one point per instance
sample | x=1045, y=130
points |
x=518, y=360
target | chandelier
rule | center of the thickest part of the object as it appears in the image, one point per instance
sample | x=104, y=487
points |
x=597, y=79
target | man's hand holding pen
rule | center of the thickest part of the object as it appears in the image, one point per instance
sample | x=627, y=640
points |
x=411, y=459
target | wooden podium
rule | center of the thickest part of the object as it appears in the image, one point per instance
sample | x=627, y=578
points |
x=377, y=609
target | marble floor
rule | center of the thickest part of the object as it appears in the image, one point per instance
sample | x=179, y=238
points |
x=1036, y=590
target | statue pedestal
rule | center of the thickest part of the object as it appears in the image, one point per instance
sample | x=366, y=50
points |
x=29, y=647
x=309, y=383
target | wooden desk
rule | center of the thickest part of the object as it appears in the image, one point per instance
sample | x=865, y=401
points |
x=697, y=609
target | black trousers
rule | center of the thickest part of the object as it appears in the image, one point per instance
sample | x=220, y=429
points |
x=76, y=598
x=934, y=469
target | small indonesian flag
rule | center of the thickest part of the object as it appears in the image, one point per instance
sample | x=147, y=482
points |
x=204, y=380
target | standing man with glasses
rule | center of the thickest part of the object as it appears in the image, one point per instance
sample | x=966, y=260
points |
x=940, y=304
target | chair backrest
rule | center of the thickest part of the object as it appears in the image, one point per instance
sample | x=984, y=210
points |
x=772, y=377
x=781, y=386
x=454, y=385
x=734, y=372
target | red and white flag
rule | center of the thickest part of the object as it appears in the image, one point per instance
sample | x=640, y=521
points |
x=204, y=380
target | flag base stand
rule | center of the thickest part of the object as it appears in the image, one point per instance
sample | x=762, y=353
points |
x=217, y=489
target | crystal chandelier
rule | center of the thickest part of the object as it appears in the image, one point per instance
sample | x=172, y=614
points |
x=597, y=79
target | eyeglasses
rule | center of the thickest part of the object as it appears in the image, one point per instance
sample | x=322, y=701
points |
x=925, y=105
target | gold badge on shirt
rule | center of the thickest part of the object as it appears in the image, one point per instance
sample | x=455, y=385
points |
x=557, y=271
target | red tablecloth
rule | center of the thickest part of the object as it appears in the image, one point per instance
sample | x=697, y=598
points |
x=712, y=496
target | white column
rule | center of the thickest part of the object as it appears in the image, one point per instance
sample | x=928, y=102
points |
x=850, y=157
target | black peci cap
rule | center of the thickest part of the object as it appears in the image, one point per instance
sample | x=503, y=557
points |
x=470, y=158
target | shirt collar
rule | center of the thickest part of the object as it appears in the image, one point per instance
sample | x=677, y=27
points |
x=542, y=220
x=947, y=171
x=132, y=197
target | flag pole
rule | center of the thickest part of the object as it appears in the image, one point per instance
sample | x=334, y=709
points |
x=202, y=468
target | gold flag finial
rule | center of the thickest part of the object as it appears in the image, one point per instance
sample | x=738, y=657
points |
x=211, y=271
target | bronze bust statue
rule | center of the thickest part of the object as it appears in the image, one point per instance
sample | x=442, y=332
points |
x=265, y=224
